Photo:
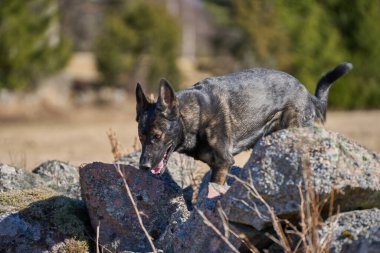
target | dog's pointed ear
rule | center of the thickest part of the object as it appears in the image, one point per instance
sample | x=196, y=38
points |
x=141, y=102
x=167, y=99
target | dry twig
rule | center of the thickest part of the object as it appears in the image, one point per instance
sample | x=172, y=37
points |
x=116, y=148
x=117, y=167
x=216, y=230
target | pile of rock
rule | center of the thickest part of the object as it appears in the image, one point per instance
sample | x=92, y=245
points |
x=278, y=165
x=42, y=211
x=238, y=220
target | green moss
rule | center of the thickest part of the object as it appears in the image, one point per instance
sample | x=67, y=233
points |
x=347, y=234
x=74, y=246
x=17, y=200
x=66, y=216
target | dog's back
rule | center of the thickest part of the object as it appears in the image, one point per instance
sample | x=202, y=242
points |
x=251, y=103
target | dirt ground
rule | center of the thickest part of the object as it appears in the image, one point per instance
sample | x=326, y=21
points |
x=81, y=135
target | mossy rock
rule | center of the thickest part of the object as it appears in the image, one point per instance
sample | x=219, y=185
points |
x=17, y=200
x=66, y=216
x=41, y=220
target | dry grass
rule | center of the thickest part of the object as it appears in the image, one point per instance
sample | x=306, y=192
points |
x=302, y=237
x=117, y=166
x=116, y=147
x=217, y=231
x=117, y=154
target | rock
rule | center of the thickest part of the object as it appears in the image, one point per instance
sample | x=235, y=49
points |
x=109, y=206
x=61, y=177
x=195, y=236
x=356, y=231
x=37, y=220
x=368, y=243
x=180, y=167
x=277, y=166
x=12, y=178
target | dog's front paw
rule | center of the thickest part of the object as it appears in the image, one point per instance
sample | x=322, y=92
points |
x=215, y=190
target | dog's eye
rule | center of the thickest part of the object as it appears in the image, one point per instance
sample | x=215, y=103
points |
x=157, y=136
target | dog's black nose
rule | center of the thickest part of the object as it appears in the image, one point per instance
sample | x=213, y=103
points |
x=145, y=166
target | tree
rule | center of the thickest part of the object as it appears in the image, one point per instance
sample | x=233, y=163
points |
x=358, y=24
x=30, y=42
x=307, y=38
x=139, y=43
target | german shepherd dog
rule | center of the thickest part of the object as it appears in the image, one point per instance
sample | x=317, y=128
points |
x=220, y=117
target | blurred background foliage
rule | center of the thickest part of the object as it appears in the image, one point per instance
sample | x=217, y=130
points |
x=140, y=42
x=145, y=40
x=306, y=38
x=31, y=45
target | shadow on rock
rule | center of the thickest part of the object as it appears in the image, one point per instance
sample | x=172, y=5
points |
x=56, y=224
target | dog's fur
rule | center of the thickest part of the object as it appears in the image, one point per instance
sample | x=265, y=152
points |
x=220, y=117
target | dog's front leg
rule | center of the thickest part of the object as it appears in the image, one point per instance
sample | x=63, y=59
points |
x=220, y=165
x=219, y=173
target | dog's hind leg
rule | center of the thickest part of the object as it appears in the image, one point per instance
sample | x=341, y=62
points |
x=291, y=117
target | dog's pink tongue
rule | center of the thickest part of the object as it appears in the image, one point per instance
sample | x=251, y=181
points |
x=158, y=168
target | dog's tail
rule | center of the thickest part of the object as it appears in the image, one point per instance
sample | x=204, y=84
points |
x=324, y=85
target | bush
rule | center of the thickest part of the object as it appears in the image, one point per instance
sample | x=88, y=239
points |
x=30, y=43
x=139, y=43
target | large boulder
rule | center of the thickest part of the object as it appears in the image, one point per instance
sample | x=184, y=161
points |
x=160, y=205
x=60, y=176
x=38, y=220
x=278, y=164
x=12, y=178
x=356, y=231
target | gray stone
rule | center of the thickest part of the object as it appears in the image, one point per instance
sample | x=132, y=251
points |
x=104, y=192
x=12, y=178
x=195, y=236
x=356, y=231
x=41, y=225
x=60, y=176
x=278, y=164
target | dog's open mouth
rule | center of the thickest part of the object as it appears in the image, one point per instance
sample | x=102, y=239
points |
x=160, y=167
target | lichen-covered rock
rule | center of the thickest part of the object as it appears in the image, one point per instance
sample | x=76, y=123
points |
x=278, y=164
x=356, y=231
x=37, y=220
x=110, y=208
x=12, y=178
x=195, y=236
x=60, y=176
x=367, y=243
x=179, y=167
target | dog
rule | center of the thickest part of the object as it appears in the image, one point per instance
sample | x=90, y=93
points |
x=219, y=117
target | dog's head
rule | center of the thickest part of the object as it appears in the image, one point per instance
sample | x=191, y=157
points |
x=158, y=127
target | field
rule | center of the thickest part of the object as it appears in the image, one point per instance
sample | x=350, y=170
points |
x=80, y=136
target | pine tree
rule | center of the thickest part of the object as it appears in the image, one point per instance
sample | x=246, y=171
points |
x=140, y=42
x=30, y=42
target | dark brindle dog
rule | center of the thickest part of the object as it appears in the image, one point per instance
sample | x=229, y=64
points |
x=220, y=117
